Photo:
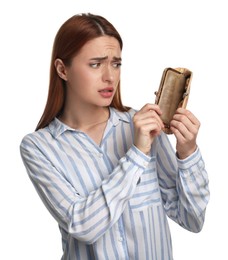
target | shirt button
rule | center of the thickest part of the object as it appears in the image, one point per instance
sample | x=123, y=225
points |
x=145, y=164
x=120, y=239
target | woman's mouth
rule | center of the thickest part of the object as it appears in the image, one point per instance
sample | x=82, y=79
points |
x=106, y=92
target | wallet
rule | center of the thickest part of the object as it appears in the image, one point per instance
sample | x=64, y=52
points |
x=173, y=93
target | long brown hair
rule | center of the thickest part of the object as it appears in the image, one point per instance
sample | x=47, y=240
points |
x=70, y=38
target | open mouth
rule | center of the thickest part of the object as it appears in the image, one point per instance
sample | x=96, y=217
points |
x=107, y=92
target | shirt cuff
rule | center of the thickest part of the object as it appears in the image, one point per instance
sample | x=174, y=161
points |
x=190, y=161
x=137, y=157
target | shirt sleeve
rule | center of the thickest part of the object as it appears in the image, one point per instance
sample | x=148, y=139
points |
x=85, y=218
x=184, y=185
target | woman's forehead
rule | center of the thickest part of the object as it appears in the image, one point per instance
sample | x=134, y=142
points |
x=101, y=47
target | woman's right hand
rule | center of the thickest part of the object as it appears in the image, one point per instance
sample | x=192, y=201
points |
x=147, y=125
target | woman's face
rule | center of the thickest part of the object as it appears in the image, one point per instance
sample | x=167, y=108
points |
x=94, y=74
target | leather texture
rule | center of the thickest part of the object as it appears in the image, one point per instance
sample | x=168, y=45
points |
x=173, y=92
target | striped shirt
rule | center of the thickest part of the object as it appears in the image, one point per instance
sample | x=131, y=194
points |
x=111, y=201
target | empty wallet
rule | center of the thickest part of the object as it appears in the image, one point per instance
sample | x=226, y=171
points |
x=173, y=93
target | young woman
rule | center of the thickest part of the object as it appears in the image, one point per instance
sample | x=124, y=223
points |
x=107, y=173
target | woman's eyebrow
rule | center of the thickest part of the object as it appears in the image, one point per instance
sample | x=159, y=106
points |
x=117, y=58
x=105, y=58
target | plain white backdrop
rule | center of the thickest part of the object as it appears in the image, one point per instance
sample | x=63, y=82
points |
x=156, y=35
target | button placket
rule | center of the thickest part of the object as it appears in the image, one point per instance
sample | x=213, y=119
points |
x=100, y=155
x=120, y=232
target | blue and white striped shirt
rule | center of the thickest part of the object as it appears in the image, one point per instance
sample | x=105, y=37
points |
x=110, y=200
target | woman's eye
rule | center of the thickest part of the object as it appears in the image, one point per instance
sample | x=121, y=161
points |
x=95, y=65
x=117, y=64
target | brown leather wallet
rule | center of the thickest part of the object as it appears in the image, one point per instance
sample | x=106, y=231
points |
x=173, y=92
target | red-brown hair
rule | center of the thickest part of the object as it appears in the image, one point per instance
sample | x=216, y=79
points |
x=70, y=38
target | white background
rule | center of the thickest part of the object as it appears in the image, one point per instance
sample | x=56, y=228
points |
x=156, y=35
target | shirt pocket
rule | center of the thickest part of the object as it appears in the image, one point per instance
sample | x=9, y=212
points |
x=147, y=193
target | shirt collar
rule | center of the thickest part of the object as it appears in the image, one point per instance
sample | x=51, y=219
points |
x=117, y=116
x=57, y=127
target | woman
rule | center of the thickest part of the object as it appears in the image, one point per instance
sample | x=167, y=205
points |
x=107, y=173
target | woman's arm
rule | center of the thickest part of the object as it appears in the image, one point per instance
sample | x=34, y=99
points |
x=85, y=218
x=184, y=185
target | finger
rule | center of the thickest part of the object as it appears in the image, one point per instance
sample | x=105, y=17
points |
x=152, y=127
x=150, y=114
x=189, y=115
x=149, y=122
x=149, y=106
x=180, y=130
x=154, y=115
x=180, y=119
x=184, y=147
x=177, y=134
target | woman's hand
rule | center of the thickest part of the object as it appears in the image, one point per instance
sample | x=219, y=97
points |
x=185, y=127
x=147, y=125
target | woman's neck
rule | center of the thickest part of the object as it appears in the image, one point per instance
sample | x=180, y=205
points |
x=84, y=118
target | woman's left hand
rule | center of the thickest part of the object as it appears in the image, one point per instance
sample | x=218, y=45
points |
x=185, y=127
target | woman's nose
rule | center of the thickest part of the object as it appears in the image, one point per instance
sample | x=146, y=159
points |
x=108, y=74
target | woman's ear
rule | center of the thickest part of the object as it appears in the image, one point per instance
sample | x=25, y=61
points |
x=61, y=69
